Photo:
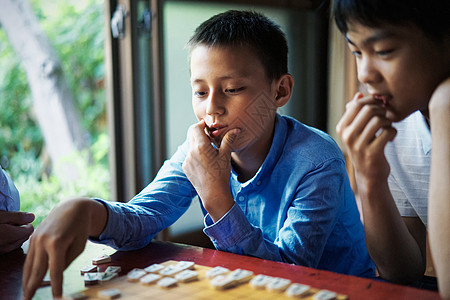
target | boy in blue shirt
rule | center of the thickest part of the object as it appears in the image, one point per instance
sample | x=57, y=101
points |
x=270, y=186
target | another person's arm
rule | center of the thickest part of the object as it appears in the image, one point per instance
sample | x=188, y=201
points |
x=439, y=201
x=396, y=244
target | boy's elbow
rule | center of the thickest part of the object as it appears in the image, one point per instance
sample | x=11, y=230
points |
x=400, y=278
x=405, y=275
x=444, y=286
x=445, y=292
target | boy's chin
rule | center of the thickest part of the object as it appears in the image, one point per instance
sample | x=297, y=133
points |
x=240, y=143
x=395, y=117
x=235, y=146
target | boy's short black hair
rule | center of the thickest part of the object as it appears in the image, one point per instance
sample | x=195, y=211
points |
x=248, y=29
x=431, y=16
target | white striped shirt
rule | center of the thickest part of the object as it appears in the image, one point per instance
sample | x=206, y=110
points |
x=409, y=156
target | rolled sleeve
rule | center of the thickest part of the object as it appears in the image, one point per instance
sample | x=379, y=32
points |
x=118, y=224
x=230, y=230
x=134, y=224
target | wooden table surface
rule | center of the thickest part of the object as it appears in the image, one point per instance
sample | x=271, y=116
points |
x=157, y=252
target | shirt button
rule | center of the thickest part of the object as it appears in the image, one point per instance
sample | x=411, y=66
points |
x=241, y=198
x=259, y=182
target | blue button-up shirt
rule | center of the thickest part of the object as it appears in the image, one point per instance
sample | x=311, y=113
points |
x=298, y=208
x=9, y=196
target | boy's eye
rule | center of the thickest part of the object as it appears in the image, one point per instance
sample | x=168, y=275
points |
x=234, y=90
x=356, y=53
x=199, y=94
x=384, y=52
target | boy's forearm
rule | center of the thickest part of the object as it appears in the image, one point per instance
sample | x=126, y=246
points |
x=439, y=202
x=97, y=212
x=396, y=253
x=98, y=218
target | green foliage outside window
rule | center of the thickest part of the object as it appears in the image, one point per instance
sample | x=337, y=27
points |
x=76, y=31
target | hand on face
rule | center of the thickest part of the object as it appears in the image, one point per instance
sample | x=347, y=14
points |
x=57, y=241
x=15, y=228
x=365, y=131
x=208, y=169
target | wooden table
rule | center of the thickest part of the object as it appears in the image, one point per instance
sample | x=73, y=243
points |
x=157, y=252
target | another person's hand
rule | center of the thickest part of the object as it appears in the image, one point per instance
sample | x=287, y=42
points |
x=365, y=130
x=57, y=241
x=15, y=229
x=208, y=169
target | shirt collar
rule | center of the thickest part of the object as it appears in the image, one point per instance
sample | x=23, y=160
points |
x=272, y=157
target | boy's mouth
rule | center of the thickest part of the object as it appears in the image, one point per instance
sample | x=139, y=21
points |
x=215, y=130
x=384, y=99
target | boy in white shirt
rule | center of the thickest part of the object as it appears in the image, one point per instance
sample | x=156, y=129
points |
x=402, y=52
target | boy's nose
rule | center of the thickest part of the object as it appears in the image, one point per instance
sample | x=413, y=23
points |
x=215, y=104
x=367, y=71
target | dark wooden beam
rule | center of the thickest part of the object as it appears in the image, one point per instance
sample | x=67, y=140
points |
x=293, y=4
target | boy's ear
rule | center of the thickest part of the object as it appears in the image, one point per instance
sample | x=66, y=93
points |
x=284, y=89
